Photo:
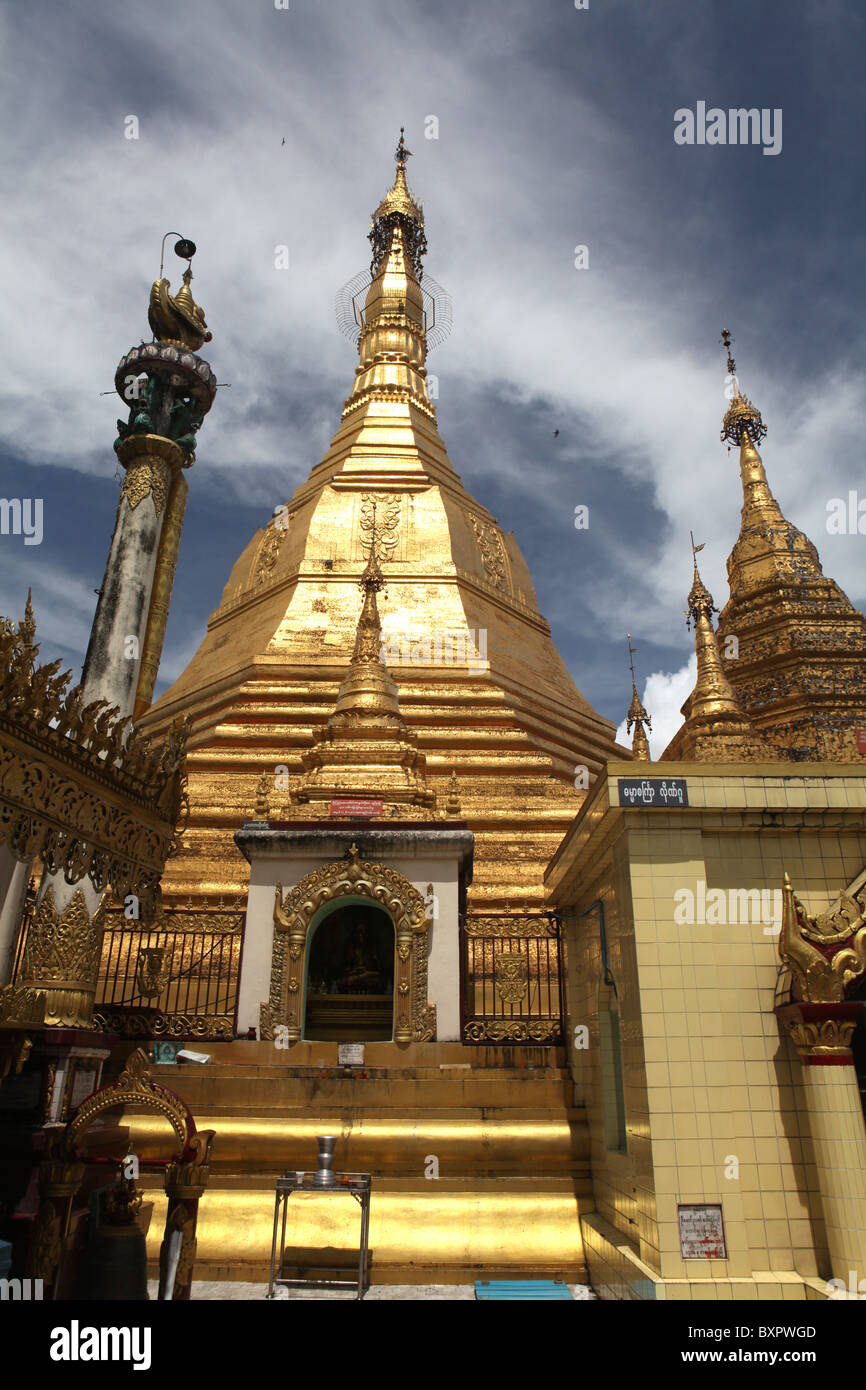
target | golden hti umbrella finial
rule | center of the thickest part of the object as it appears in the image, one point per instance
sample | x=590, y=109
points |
x=742, y=419
x=399, y=219
x=744, y=427
x=637, y=715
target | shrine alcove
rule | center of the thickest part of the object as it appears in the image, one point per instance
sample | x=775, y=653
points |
x=349, y=994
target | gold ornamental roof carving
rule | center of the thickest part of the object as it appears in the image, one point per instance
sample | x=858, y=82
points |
x=826, y=951
x=78, y=788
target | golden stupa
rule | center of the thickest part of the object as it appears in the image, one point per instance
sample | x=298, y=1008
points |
x=482, y=688
x=801, y=643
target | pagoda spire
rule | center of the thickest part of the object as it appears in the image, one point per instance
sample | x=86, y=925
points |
x=392, y=346
x=365, y=749
x=368, y=694
x=743, y=427
x=713, y=692
x=716, y=727
x=799, y=640
x=637, y=716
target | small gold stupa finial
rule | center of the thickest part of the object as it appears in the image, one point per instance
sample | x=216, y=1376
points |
x=637, y=715
x=716, y=729
x=742, y=419
x=713, y=692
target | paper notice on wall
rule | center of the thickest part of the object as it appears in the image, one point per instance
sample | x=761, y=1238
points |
x=702, y=1233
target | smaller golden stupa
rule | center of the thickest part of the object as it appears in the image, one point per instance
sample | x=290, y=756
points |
x=365, y=750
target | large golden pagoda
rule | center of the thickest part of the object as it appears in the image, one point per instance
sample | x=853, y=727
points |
x=481, y=685
x=801, y=644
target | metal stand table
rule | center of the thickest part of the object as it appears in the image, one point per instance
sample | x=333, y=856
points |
x=358, y=1185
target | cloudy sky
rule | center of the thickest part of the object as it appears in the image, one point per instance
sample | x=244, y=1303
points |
x=555, y=130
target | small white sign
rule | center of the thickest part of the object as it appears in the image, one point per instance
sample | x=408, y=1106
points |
x=350, y=1054
x=186, y=1056
x=702, y=1232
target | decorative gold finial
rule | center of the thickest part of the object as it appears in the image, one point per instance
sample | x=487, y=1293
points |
x=401, y=154
x=742, y=418
x=713, y=693
x=398, y=213
x=452, y=804
x=637, y=715
x=177, y=319
x=716, y=729
x=826, y=953
x=27, y=627
x=700, y=598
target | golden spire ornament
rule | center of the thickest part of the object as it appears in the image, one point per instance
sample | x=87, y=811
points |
x=716, y=728
x=742, y=417
x=637, y=716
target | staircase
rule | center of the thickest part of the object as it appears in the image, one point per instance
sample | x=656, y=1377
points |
x=480, y=1159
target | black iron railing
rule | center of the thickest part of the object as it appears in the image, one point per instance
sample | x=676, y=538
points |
x=176, y=977
x=510, y=979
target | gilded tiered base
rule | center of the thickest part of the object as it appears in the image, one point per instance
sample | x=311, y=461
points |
x=498, y=1127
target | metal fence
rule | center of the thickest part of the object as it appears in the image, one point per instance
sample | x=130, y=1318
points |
x=510, y=979
x=174, y=978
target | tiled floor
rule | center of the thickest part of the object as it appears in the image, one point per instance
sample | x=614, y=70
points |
x=400, y=1292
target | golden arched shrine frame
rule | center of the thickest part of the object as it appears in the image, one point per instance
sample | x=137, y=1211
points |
x=414, y=1017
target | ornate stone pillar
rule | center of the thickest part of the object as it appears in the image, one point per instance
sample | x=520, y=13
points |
x=160, y=594
x=117, y=640
x=59, y=1180
x=169, y=390
x=825, y=955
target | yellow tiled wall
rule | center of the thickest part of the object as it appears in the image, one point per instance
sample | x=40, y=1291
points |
x=715, y=1099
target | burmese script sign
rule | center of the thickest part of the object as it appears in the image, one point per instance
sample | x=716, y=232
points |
x=653, y=791
x=354, y=806
x=702, y=1233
